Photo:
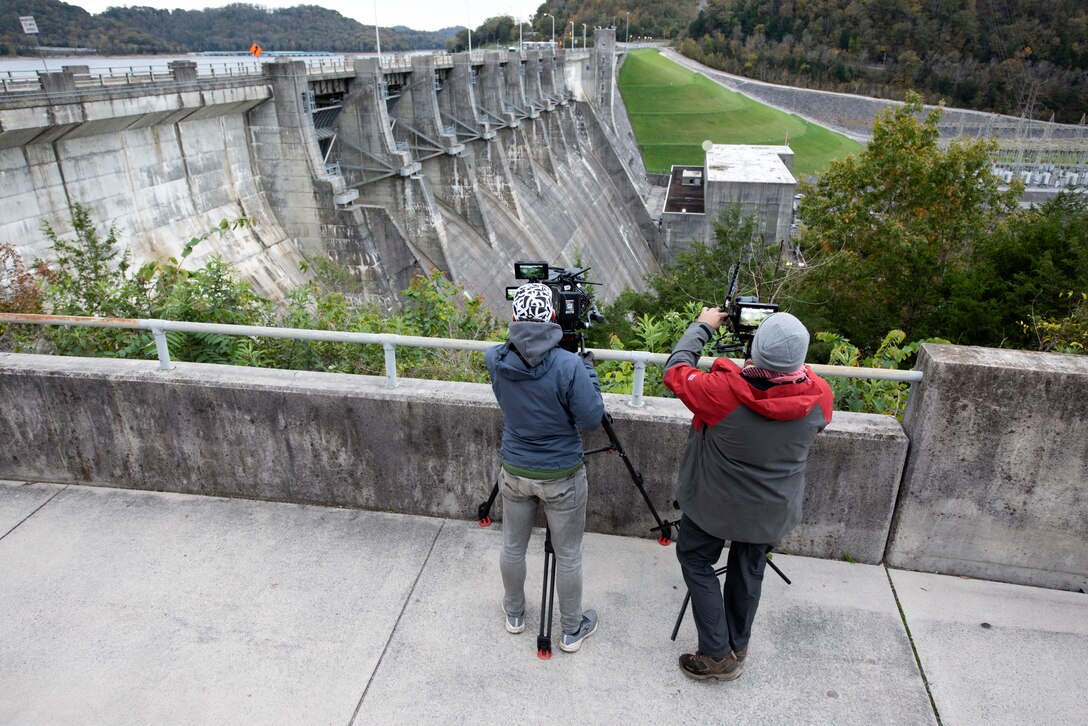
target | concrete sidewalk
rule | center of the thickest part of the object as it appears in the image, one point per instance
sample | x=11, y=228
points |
x=126, y=607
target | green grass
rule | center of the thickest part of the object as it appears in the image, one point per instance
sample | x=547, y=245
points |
x=673, y=110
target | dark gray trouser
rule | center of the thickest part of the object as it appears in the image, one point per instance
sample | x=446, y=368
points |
x=565, y=506
x=723, y=618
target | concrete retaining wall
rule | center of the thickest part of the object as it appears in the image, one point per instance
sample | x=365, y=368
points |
x=995, y=484
x=423, y=448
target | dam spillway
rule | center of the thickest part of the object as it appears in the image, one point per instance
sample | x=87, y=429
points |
x=390, y=168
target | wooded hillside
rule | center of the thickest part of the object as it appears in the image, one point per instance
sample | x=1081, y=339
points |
x=1008, y=56
x=298, y=28
x=63, y=25
x=138, y=30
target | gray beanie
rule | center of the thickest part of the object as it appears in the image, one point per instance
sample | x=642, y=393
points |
x=780, y=344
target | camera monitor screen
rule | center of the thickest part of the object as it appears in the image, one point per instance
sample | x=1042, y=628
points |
x=510, y=293
x=752, y=317
x=530, y=270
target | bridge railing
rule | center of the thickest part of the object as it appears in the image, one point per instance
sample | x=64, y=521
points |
x=12, y=82
x=29, y=81
x=390, y=342
x=329, y=65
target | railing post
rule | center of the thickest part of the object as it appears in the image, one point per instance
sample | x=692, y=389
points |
x=163, y=349
x=637, y=384
x=390, y=361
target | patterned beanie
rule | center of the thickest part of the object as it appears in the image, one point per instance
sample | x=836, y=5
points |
x=533, y=301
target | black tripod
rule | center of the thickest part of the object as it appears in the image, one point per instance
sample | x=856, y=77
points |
x=547, y=599
x=719, y=572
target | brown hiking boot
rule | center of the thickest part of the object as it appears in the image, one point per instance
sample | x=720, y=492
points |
x=702, y=667
x=741, y=654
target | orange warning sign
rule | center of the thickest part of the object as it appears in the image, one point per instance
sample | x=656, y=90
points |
x=255, y=50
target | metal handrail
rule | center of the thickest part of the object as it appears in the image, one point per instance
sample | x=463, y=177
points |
x=390, y=341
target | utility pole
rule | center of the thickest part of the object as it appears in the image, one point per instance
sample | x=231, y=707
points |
x=572, y=41
x=583, y=36
x=468, y=5
x=549, y=15
x=627, y=38
x=377, y=35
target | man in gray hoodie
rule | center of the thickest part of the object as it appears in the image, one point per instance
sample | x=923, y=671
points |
x=547, y=395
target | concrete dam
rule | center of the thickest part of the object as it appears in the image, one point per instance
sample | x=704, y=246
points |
x=390, y=168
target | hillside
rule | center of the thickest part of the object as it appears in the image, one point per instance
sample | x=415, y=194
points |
x=1018, y=57
x=639, y=18
x=138, y=30
x=64, y=25
x=673, y=110
x=298, y=28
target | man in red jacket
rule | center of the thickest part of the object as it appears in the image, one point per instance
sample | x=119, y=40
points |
x=742, y=475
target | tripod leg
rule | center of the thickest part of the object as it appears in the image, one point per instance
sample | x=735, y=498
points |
x=547, y=600
x=684, y=608
x=777, y=571
x=483, y=512
x=680, y=617
x=663, y=528
x=547, y=645
x=544, y=639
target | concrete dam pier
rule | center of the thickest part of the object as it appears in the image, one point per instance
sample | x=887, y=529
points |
x=390, y=168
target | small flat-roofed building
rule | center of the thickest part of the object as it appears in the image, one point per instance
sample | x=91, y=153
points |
x=758, y=179
x=685, y=193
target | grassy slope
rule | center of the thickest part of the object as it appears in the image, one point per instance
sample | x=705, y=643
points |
x=673, y=110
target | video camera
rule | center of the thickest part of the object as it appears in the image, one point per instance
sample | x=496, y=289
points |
x=574, y=307
x=745, y=314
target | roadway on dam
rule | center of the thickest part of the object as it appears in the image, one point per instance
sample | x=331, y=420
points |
x=127, y=607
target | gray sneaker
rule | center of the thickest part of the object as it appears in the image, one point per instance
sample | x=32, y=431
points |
x=570, y=642
x=515, y=625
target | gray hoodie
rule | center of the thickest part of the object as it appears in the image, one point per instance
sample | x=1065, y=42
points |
x=547, y=395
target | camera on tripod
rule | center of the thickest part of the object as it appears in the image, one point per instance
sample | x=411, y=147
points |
x=745, y=314
x=574, y=307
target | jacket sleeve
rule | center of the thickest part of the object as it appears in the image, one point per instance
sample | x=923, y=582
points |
x=584, y=397
x=704, y=393
x=690, y=346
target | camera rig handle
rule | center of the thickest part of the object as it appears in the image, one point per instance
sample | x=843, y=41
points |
x=731, y=293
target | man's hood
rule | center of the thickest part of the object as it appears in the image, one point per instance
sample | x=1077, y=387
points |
x=785, y=402
x=533, y=341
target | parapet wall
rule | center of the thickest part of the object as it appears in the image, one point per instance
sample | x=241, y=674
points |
x=425, y=447
x=995, y=486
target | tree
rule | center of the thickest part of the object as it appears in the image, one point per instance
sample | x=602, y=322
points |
x=1023, y=272
x=894, y=224
x=701, y=275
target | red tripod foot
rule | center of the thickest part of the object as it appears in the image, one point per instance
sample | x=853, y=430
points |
x=485, y=522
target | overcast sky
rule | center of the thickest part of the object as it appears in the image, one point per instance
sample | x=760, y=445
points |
x=416, y=14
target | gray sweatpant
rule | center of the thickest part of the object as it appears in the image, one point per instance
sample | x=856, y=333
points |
x=565, y=506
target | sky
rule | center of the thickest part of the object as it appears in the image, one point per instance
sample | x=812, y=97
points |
x=416, y=14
